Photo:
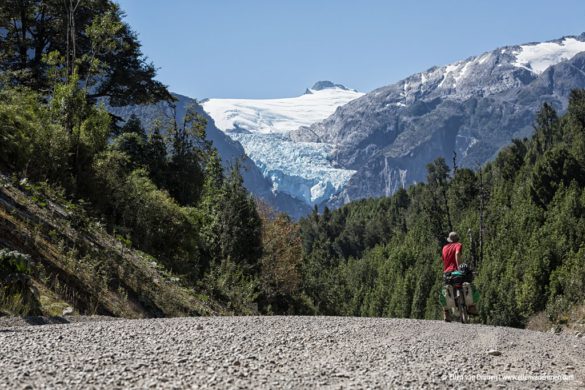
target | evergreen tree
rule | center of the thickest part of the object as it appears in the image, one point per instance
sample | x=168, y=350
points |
x=240, y=224
x=184, y=178
x=438, y=205
x=86, y=36
x=132, y=141
x=210, y=208
x=156, y=157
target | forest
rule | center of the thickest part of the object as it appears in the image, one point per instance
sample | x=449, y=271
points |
x=162, y=191
x=521, y=218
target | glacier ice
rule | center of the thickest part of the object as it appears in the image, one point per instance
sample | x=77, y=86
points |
x=304, y=170
x=277, y=115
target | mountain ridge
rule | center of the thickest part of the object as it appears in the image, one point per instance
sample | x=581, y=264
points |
x=472, y=107
x=326, y=84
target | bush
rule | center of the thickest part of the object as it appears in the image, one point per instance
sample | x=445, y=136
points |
x=154, y=220
x=30, y=143
x=228, y=282
x=17, y=295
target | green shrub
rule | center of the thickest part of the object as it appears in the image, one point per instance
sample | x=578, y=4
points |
x=17, y=295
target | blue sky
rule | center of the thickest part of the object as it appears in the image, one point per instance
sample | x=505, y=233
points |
x=277, y=48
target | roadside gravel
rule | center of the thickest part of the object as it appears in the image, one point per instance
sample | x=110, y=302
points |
x=286, y=352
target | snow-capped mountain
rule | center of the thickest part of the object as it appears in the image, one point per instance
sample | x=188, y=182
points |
x=472, y=107
x=303, y=170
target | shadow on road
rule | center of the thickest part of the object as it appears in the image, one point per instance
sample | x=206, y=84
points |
x=39, y=320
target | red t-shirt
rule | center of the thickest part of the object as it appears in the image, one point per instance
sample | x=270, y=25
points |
x=449, y=250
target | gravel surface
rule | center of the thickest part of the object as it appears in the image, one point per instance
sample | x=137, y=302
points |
x=286, y=352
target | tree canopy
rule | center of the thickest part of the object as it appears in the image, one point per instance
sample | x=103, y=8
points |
x=45, y=39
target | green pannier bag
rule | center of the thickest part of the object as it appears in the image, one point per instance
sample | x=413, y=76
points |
x=471, y=296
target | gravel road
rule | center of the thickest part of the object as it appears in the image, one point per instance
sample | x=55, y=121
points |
x=286, y=352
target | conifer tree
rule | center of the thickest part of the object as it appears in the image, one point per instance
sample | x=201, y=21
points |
x=87, y=37
x=240, y=223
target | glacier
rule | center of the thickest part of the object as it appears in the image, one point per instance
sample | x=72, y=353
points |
x=540, y=56
x=304, y=170
x=301, y=169
x=268, y=116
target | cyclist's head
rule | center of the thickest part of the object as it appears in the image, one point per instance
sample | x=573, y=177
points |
x=453, y=237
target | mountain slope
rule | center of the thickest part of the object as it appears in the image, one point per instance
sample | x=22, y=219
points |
x=472, y=108
x=78, y=264
x=229, y=150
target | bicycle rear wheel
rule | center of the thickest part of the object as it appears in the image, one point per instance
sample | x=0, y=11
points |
x=463, y=315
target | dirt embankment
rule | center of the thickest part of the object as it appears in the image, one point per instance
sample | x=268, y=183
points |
x=80, y=265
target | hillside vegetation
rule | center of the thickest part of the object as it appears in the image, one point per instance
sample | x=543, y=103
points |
x=73, y=261
x=107, y=216
x=521, y=218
